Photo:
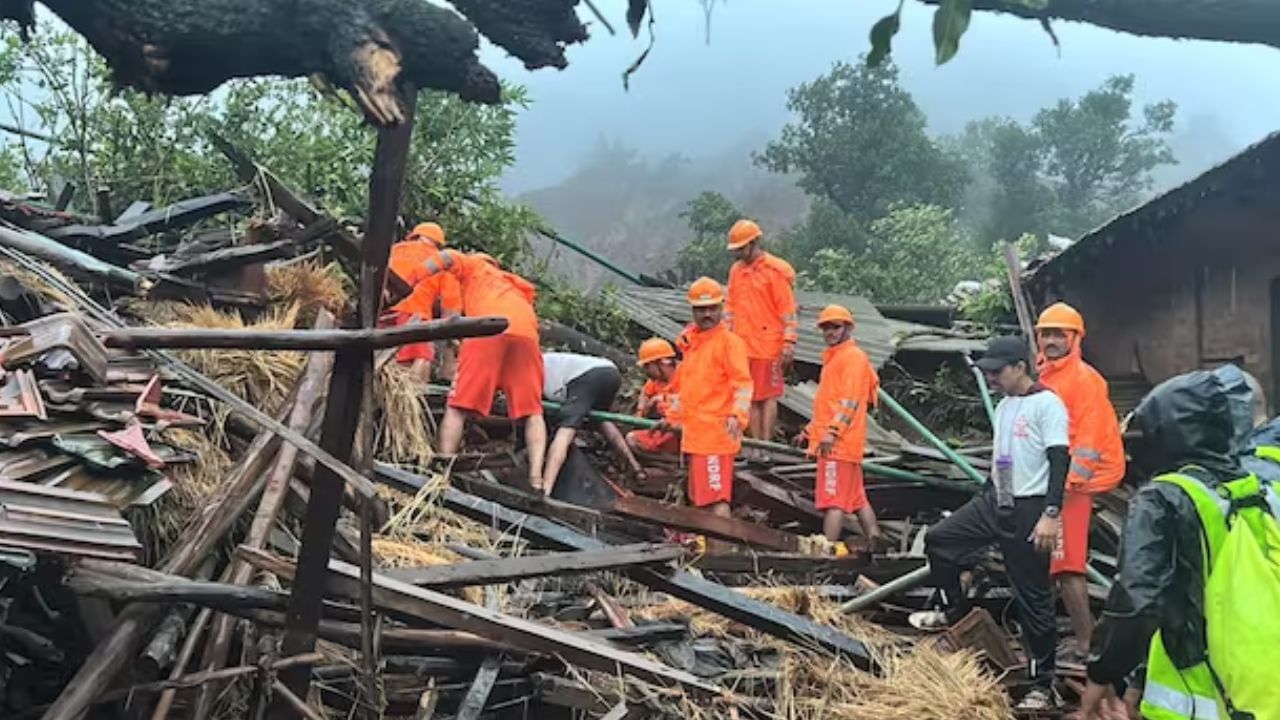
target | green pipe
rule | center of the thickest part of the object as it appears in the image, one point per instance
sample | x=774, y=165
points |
x=934, y=440
x=905, y=583
x=592, y=256
x=886, y=471
x=1096, y=577
x=983, y=390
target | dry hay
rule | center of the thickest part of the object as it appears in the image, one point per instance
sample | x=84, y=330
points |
x=264, y=379
x=194, y=485
x=404, y=435
x=310, y=287
x=917, y=681
x=37, y=284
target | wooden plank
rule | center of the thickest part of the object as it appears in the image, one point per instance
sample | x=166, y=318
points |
x=711, y=596
x=451, y=612
x=304, y=340
x=695, y=520
x=494, y=572
x=478, y=695
x=759, y=492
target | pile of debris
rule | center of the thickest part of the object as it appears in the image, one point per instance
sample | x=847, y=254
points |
x=159, y=419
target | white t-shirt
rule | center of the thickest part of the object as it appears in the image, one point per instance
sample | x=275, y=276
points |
x=560, y=369
x=1027, y=425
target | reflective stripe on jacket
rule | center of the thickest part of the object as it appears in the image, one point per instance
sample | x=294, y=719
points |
x=715, y=385
x=408, y=260
x=846, y=390
x=1097, y=449
x=761, y=306
x=489, y=291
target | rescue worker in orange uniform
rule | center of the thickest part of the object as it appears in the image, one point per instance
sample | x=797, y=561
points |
x=407, y=260
x=762, y=311
x=837, y=435
x=657, y=358
x=511, y=362
x=1097, y=457
x=713, y=402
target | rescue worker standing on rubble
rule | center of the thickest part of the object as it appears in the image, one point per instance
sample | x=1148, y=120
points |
x=511, y=362
x=761, y=310
x=1176, y=570
x=1018, y=511
x=837, y=435
x=713, y=402
x=408, y=260
x=1097, y=458
x=657, y=358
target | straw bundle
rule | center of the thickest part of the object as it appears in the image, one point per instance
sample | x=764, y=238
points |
x=404, y=435
x=264, y=379
x=310, y=287
x=37, y=284
x=194, y=484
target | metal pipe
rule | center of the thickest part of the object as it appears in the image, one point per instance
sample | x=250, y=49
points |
x=983, y=390
x=934, y=440
x=592, y=256
x=908, y=582
x=1096, y=577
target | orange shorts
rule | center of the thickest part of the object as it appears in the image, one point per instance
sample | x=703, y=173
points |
x=510, y=363
x=1071, y=556
x=839, y=485
x=655, y=441
x=417, y=351
x=767, y=379
x=710, y=479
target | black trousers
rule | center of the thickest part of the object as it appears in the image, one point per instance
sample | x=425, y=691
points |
x=981, y=523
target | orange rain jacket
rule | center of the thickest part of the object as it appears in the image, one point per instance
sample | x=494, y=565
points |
x=656, y=397
x=488, y=290
x=715, y=385
x=847, y=388
x=761, y=307
x=408, y=260
x=1097, y=450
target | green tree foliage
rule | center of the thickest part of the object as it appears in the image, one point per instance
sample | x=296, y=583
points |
x=710, y=215
x=860, y=141
x=916, y=253
x=1075, y=165
x=157, y=149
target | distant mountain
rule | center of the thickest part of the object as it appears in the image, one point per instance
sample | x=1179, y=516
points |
x=627, y=208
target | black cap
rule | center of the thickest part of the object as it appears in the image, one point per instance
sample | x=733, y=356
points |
x=1003, y=351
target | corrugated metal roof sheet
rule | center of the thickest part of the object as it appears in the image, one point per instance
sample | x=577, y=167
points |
x=650, y=307
x=664, y=312
x=65, y=522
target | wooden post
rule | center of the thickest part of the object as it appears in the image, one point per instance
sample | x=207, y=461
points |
x=1014, y=268
x=346, y=393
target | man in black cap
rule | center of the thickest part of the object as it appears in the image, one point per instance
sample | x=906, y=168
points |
x=1018, y=511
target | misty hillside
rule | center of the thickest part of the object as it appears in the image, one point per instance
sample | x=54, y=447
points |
x=710, y=104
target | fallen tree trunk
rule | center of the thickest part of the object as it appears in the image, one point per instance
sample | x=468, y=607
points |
x=189, y=47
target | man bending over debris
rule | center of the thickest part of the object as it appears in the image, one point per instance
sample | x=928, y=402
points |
x=1018, y=510
x=658, y=360
x=408, y=260
x=582, y=383
x=511, y=362
x=761, y=310
x=714, y=398
x=1097, y=458
x=838, y=433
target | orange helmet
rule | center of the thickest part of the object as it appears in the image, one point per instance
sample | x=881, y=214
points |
x=429, y=231
x=743, y=232
x=705, y=292
x=1061, y=316
x=835, y=314
x=655, y=349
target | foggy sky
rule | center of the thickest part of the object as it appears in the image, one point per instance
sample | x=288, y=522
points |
x=697, y=99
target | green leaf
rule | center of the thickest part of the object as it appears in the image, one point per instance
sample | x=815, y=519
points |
x=882, y=36
x=949, y=24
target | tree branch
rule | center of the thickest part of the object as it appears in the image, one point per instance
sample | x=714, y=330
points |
x=1241, y=21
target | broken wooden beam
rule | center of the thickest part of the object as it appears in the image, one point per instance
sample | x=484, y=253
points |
x=493, y=572
x=69, y=259
x=303, y=340
x=709, y=524
x=448, y=611
x=717, y=598
x=478, y=694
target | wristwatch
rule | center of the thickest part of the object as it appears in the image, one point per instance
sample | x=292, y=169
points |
x=1052, y=511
